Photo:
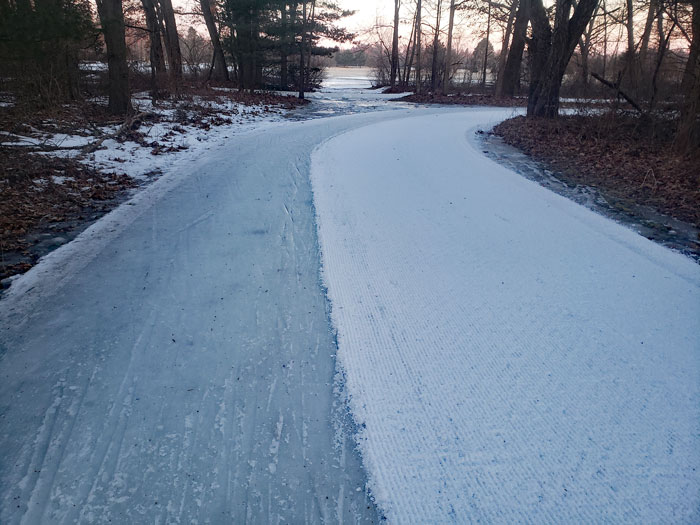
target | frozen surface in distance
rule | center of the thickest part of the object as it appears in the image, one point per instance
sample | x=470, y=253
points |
x=510, y=355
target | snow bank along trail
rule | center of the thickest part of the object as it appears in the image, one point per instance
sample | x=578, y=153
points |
x=181, y=367
x=511, y=356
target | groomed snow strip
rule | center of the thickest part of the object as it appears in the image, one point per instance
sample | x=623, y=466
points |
x=510, y=355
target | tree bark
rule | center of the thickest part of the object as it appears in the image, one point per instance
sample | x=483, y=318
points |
x=172, y=42
x=156, y=56
x=486, y=48
x=436, y=47
x=688, y=136
x=418, y=46
x=112, y=21
x=550, y=59
x=395, y=45
x=631, y=62
x=448, y=50
x=502, y=56
x=219, y=71
x=691, y=67
x=284, y=49
x=511, y=72
x=301, y=51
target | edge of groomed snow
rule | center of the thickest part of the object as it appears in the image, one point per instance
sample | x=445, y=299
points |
x=52, y=271
x=673, y=262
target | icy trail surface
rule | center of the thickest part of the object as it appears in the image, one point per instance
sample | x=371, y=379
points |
x=175, y=363
x=510, y=355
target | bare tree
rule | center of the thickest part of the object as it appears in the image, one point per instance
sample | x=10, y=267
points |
x=112, y=20
x=448, y=51
x=218, y=70
x=172, y=41
x=395, y=45
x=436, y=48
x=419, y=9
x=552, y=49
x=502, y=56
x=156, y=56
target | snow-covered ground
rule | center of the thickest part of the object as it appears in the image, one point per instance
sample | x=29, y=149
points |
x=510, y=355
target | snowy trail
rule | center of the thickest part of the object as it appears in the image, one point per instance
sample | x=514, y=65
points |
x=510, y=356
x=176, y=363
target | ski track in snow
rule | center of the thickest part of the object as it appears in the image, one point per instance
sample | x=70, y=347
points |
x=510, y=356
x=175, y=363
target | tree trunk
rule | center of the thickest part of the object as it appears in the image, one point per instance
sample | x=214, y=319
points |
x=284, y=50
x=395, y=45
x=631, y=62
x=691, y=67
x=418, y=46
x=550, y=61
x=486, y=47
x=172, y=42
x=408, y=59
x=511, y=71
x=301, y=51
x=688, y=136
x=112, y=21
x=436, y=44
x=219, y=71
x=448, y=50
x=646, y=34
x=156, y=56
x=504, y=49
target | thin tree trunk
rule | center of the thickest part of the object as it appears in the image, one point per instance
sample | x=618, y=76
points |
x=408, y=59
x=301, y=51
x=486, y=48
x=309, y=34
x=112, y=21
x=284, y=49
x=646, y=34
x=395, y=45
x=436, y=44
x=156, y=56
x=172, y=42
x=503, y=55
x=219, y=71
x=418, y=46
x=448, y=51
x=631, y=65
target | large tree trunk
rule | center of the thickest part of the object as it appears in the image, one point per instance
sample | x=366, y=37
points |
x=418, y=46
x=448, y=50
x=395, y=45
x=112, y=21
x=172, y=42
x=219, y=70
x=156, y=56
x=504, y=49
x=550, y=61
x=511, y=71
